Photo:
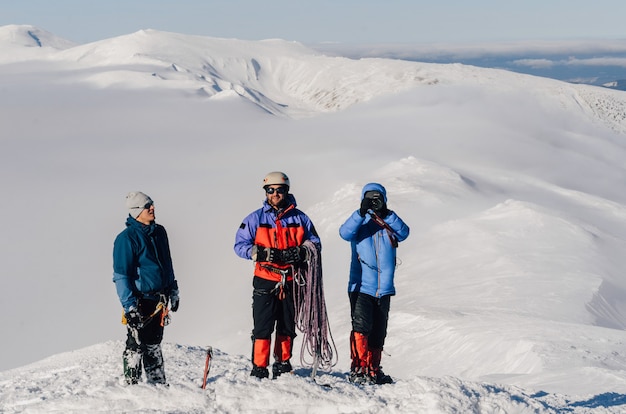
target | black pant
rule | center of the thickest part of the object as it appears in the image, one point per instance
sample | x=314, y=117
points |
x=370, y=316
x=152, y=332
x=269, y=311
x=146, y=348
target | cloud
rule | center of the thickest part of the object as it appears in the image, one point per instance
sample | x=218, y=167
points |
x=535, y=63
x=600, y=61
x=476, y=50
x=572, y=61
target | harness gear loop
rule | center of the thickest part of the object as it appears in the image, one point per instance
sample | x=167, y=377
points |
x=165, y=316
x=280, y=286
x=160, y=307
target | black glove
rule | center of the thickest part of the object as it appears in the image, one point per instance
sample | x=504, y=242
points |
x=266, y=254
x=366, y=204
x=294, y=255
x=133, y=319
x=174, y=300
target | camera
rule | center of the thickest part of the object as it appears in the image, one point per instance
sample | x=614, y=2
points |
x=376, y=203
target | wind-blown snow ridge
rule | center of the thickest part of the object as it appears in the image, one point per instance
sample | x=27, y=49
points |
x=89, y=380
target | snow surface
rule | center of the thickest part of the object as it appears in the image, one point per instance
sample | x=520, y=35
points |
x=511, y=288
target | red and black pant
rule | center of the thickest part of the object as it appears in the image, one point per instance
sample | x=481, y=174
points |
x=369, y=330
x=271, y=310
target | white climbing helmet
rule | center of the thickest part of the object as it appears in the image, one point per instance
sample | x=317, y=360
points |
x=276, y=178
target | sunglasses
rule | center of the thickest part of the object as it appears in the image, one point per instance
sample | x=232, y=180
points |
x=279, y=190
x=148, y=205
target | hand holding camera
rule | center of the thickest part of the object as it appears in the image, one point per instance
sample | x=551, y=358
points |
x=365, y=205
x=374, y=201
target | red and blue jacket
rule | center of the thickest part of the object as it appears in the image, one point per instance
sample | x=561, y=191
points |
x=267, y=227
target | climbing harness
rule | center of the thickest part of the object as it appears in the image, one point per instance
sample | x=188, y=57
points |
x=280, y=286
x=161, y=306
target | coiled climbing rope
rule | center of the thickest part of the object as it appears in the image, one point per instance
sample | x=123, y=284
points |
x=311, y=316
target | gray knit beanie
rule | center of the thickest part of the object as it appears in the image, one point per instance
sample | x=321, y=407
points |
x=136, y=202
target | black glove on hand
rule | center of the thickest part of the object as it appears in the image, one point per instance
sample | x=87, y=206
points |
x=133, y=319
x=366, y=204
x=294, y=255
x=174, y=300
x=266, y=254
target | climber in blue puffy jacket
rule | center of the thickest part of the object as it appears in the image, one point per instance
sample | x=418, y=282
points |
x=374, y=232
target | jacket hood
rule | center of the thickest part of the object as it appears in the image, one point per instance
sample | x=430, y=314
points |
x=374, y=187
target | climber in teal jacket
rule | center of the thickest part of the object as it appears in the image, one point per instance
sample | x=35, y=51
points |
x=144, y=280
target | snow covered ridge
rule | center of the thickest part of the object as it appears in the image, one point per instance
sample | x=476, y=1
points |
x=281, y=77
x=89, y=380
x=23, y=36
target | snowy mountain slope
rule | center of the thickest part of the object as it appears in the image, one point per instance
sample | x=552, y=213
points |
x=495, y=283
x=286, y=77
x=24, y=36
x=279, y=76
x=513, y=187
x=23, y=42
x=51, y=386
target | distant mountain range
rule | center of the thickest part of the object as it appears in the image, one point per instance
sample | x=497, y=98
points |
x=593, y=63
x=599, y=63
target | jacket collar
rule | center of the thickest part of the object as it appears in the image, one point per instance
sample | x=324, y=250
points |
x=145, y=228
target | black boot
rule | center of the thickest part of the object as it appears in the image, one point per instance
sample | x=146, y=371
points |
x=259, y=372
x=132, y=366
x=360, y=375
x=379, y=377
x=153, y=364
x=279, y=368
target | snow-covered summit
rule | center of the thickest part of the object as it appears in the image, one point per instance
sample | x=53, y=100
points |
x=88, y=380
x=281, y=77
x=31, y=36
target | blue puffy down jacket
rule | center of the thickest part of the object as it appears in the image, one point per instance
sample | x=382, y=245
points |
x=373, y=262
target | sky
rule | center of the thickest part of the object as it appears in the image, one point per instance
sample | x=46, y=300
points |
x=344, y=21
x=510, y=288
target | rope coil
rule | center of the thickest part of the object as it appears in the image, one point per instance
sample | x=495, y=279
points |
x=310, y=313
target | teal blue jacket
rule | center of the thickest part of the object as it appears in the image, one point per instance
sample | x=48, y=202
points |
x=142, y=263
